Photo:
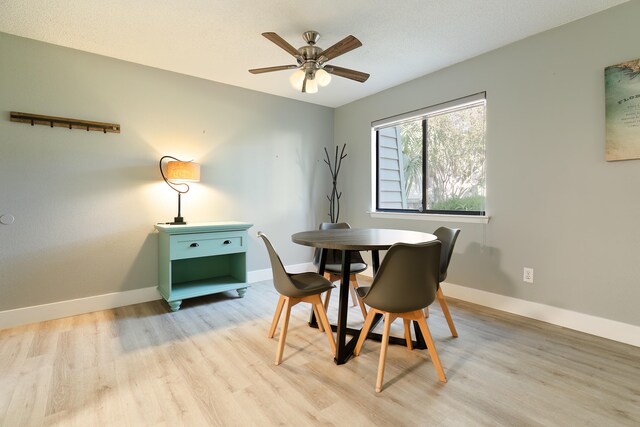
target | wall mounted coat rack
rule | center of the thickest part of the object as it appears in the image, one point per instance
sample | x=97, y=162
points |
x=36, y=119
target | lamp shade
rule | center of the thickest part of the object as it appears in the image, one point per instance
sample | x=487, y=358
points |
x=323, y=78
x=296, y=79
x=179, y=171
x=312, y=86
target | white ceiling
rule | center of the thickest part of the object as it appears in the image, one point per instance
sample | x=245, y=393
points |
x=221, y=39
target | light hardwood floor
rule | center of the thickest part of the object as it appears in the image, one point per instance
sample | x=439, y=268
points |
x=211, y=363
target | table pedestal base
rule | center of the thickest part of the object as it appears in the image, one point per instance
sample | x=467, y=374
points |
x=355, y=334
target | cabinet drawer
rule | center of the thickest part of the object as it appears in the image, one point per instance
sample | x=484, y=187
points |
x=205, y=244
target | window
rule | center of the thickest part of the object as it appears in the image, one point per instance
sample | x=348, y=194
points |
x=433, y=160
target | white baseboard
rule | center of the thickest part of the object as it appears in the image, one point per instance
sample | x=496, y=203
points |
x=601, y=327
x=598, y=326
x=58, y=310
x=611, y=329
x=259, y=275
x=266, y=274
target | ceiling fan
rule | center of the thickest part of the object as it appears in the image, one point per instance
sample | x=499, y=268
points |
x=312, y=68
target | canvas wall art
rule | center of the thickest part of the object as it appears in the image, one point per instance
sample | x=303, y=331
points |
x=622, y=96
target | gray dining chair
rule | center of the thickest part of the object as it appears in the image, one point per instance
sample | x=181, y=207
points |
x=333, y=267
x=447, y=237
x=293, y=289
x=406, y=283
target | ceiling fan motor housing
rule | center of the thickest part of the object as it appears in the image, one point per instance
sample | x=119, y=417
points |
x=310, y=53
x=311, y=37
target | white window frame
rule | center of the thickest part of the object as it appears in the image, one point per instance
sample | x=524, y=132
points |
x=413, y=115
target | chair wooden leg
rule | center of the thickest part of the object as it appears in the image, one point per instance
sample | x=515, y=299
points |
x=431, y=347
x=364, y=331
x=332, y=278
x=354, y=283
x=283, y=332
x=383, y=350
x=322, y=317
x=352, y=291
x=326, y=300
x=407, y=333
x=315, y=311
x=276, y=317
x=445, y=311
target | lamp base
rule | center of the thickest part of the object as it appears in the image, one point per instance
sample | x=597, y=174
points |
x=178, y=220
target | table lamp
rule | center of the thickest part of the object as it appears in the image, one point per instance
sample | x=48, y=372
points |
x=179, y=173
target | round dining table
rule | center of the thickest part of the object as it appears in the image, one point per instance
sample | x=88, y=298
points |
x=355, y=239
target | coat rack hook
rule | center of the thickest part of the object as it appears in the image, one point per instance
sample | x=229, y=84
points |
x=37, y=119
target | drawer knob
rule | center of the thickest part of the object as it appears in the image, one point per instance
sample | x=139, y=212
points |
x=194, y=245
x=227, y=242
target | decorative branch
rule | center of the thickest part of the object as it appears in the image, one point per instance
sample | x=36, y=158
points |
x=334, y=169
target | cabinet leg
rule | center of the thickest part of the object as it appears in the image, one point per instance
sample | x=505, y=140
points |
x=241, y=292
x=175, y=305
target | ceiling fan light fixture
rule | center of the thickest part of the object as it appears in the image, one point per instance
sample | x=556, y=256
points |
x=296, y=79
x=323, y=78
x=312, y=86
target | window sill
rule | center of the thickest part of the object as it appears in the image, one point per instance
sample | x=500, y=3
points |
x=476, y=219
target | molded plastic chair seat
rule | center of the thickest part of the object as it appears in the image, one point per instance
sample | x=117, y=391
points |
x=295, y=288
x=309, y=284
x=362, y=291
x=356, y=267
x=405, y=284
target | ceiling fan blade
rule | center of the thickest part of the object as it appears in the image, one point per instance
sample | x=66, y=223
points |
x=282, y=43
x=345, y=72
x=343, y=46
x=270, y=69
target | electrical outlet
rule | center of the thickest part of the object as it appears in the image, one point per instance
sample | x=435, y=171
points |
x=527, y=275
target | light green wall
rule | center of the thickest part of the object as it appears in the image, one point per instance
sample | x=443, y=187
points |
x=85, y=202
x=555, y=204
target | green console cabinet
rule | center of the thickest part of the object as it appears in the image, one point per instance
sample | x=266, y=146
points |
x=201, y=259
